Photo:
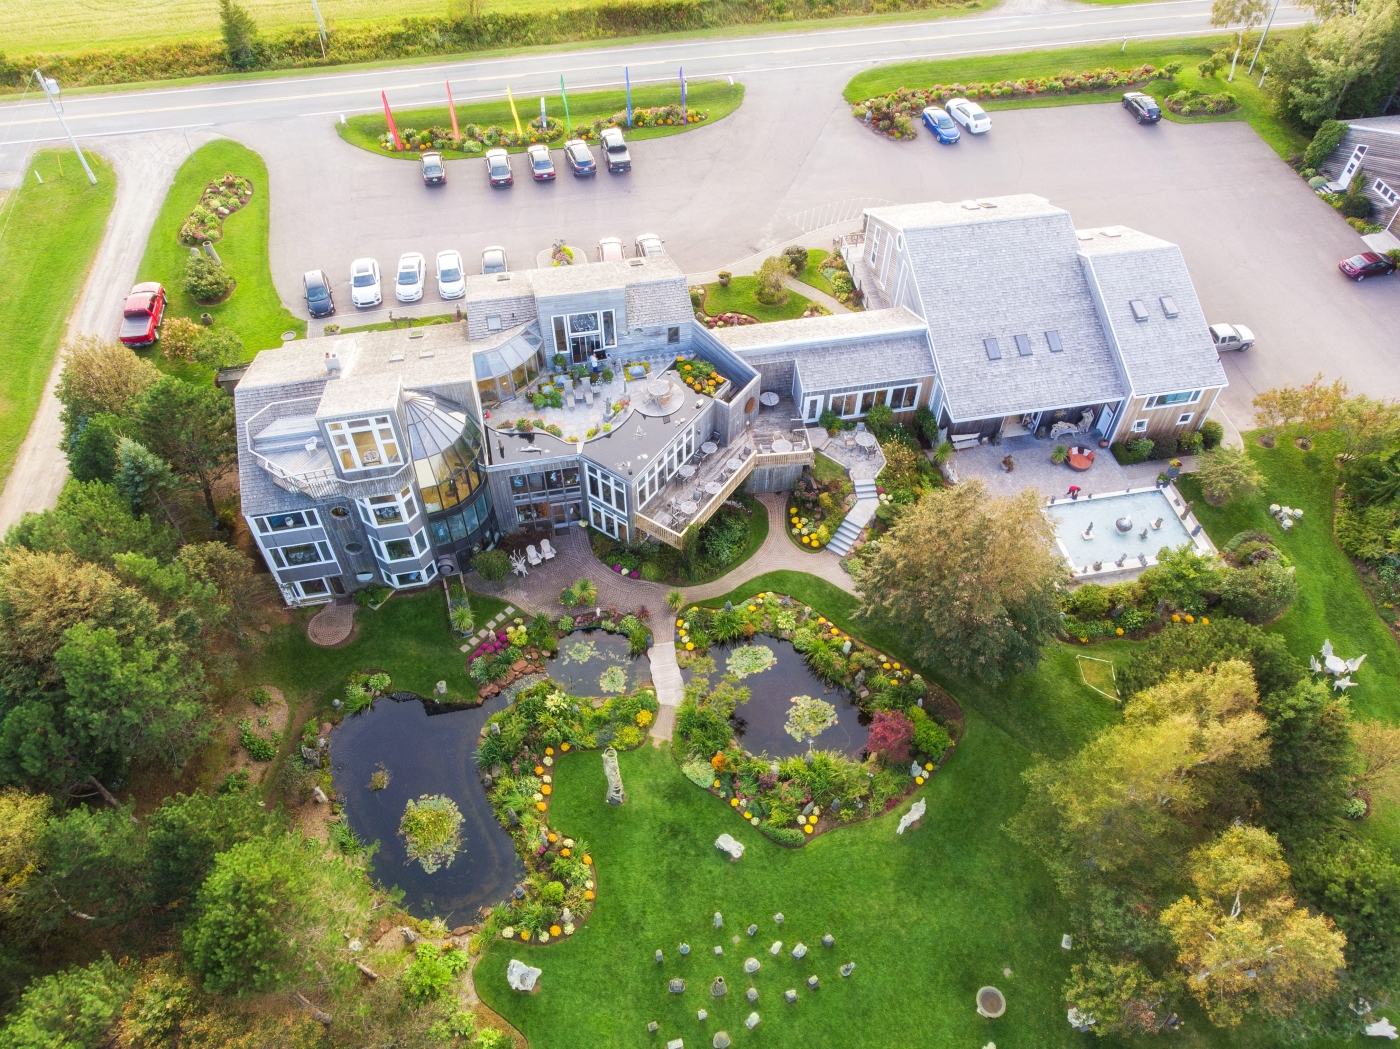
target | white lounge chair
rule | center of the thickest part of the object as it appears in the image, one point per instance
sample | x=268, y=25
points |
x=547, y=550
x=533, y=555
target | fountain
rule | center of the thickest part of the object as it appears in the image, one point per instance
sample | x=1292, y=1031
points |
x=1124, y=524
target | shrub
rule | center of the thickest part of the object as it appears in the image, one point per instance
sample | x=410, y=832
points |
x=1259, y=593
x=1163, y=448
x=432, y=973
x=1328, y=137
x=890, y=735
x=930, y=737
x=205, y=280
x=179, y=338
x=1190, y=442
x=796, y=259
x=771, y=291
x=1212, y=433
x=1090, y=601
x=492, y=565
x=258, y=749
x=782, y=835
x=1356, y=206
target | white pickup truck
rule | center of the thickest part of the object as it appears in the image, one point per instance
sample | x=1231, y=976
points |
x=1231, y=337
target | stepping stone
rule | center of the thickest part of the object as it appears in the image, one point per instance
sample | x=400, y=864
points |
x=510, y=611
x=676, y=986
x=813, y=983
x=653, y=1027
x=790, y=996
x=465, y=648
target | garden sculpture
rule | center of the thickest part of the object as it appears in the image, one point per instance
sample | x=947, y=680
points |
x=616, y=795
x=1088, y=533
x=726, y=843
x=1382, y=1028
x=915, y=813
x=719, y=920
x=520, y=976
x=1081, y=1022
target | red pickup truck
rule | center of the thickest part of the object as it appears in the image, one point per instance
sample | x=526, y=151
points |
x=142, y=314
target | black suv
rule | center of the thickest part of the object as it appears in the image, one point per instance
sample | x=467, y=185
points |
x=1143, y=107
x=319, y=302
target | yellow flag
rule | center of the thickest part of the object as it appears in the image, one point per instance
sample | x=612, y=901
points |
x=518, y=129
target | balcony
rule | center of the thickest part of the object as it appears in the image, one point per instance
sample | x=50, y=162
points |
x=285, y=441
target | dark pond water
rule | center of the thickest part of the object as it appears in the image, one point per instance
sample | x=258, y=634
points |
x=424, y=755
x=435, y=753
x=759, y=723
x=585, y=655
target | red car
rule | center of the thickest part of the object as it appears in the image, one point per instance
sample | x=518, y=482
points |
x=1367, y=264
x=142, y=314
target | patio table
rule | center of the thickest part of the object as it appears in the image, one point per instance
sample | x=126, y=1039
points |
x=768, y=399
x=733, y=464
x=687, y=507
x=686, y=471
x=709, y=447
x=866, y=439
x=782, y=445
x=713, y=487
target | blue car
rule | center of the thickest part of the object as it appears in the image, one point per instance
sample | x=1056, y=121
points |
x=941, y=125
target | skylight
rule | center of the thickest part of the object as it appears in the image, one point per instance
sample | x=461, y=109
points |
x=1169, y=306
x=1139, y=309
x=1023, y=345
x=993, y=350
x=1053, y=338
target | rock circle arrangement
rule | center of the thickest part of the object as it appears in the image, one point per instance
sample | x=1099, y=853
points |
x=220, y=199
x=432, y=830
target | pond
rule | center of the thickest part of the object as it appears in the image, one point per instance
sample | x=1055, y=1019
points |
x=758, y=724
x=585, y=656
x=424, y=754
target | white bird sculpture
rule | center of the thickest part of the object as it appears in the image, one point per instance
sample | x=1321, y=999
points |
x=1341, y=684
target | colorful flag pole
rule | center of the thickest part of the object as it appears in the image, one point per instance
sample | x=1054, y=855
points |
x=683, y=120
x=509, y=98
x=627, y=74
x=452, y=108
x=393, y=130
x=568, y=120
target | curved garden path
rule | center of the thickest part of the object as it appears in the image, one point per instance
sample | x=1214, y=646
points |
x=539, y=591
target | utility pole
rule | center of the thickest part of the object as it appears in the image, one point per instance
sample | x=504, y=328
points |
x=50, y=87
x=1263, y=37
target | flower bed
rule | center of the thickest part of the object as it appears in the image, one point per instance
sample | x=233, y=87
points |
x=475, y=139
x=699, y=374
x=796, y=799
x=816, y=509
x=725, y=320
x=1196, y=103
x=219, y=200
x=502, y=657
x=896, y=115
x=516, y=754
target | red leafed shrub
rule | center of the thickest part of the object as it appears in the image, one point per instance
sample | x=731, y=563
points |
x=890, y=735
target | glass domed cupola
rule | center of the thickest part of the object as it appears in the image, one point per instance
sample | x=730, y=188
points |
x=446, y=448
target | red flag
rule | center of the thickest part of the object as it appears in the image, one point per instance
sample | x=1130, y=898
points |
x=456, y=135
x=390, y=118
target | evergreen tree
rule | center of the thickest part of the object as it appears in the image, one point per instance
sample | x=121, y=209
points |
x=241, y=43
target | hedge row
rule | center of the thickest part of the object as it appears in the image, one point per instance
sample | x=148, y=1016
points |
x=418, y=37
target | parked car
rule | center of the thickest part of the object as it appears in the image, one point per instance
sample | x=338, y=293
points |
x=141, y=314
x=1142, y=106
x=364, y=283
x=493, y=260
x=648, y=245
x=1231, y=336
x=451, y=278
x=408, y=285
x=580, y=157
x=319, y=300
x=1367, y=264
x=970, y=115
x=941, y=125
x=434, y=170
x=615, y=150
x=610, y=250
x=498, y=167
x=541, y=164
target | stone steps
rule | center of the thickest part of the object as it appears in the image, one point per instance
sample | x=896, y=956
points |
x=852, y=526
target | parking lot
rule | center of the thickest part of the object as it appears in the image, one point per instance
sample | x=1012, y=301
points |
x=1261, y=247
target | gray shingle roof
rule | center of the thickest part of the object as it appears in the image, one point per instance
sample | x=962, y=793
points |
x=600, y=276
x=659, y=302
x=995, y=273
x=816, y=331
x=867, y=362
x=1160, y=354
x=257, y=492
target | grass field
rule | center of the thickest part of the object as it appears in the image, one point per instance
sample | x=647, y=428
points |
x=1256, y=106
x=254, y=312
x=812, y=275
x=739, y=298
x=716, y=97
x=415, y=322
x=49, y=234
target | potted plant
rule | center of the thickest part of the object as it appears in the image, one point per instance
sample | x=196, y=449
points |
x=607, y=374
x=1060, y=455
x=724, y=278
x=559, y=361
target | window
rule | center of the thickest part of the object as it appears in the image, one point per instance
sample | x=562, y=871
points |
x=580, y=335
x=304, y=554
x=609, y=332
x=1053, y=338
x=398, y=550
x=408, y=578
x=673, y=335
x=313, y=587
x=1163, y=400
x=875, y=232
x=420, y=540
x=1140, y=426
x=993, y=350
x=386, y=509
x=286, y=522
x=1139, y=309
x=361, y=444
x=493, y=322
x=904, y=398
x=1169, y=306
x=1023, y=345
x=1184, y=418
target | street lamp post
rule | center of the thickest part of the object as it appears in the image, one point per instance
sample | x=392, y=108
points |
x=50, y=87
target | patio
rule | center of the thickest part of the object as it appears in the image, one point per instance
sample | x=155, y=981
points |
x=699, y=485
x=1033, y=469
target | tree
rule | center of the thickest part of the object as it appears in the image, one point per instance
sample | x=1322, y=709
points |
x=191, y=428
x=219, y=348
x=1358, y=884
x=1228, y=475
x=1319, y=404
x=1258, y=593
x=1183, y=578
x=239, y=588
x=23, y=817
x=1243, y=941
x=1244, y=13
x=1122, y=997
x=206, y=281
x=94, y=867
x=1181, y=648
x=772, y=281
x=100, y=376
x=143, y=479
x=1311, y=755
x=187, y=833
x=179, y=338
x=1275, y=409
x=273, y=910
x=1378, y=753
x=92, y=451
x=890, y=735
x=241, y=44
x=72, y=1009
x=1344, y=66
x=93, y=521
x=1366, y=426
x=970, y=580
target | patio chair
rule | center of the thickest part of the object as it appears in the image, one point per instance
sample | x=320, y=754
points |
x=588, y=396
x=547, y=550
x=569, y=398
x=533, y=555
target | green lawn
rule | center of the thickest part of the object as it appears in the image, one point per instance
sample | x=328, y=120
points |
x=1256, y=106
x=716, y=97
x=413, y=322
x=254, y=312
x=739, y=298
x=49, y=234
x=812, y=275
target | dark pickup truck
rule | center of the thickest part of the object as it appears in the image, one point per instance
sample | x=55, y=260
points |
x=141, y=315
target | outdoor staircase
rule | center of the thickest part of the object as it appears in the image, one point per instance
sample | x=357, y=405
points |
x=867, y=500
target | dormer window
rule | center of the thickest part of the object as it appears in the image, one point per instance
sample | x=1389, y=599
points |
x=361, y=444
